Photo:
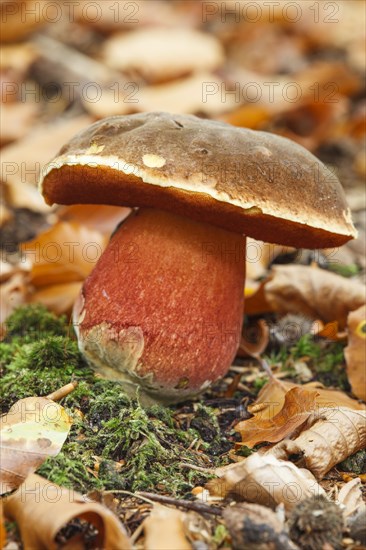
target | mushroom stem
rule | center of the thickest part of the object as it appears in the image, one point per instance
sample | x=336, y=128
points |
x=163, y=308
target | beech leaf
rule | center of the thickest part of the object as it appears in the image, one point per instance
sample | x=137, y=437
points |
x=164, y=529
x=298, y=406
x=263, y=479
x=313, y=292
x=33, y=429
x=328, y=437
x=42, y=508
x=355, y=352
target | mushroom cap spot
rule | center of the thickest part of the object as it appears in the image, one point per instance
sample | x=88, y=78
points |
x=153, y=161
x=250, y=182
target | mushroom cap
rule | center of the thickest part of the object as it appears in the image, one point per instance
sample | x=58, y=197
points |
x=246, y=181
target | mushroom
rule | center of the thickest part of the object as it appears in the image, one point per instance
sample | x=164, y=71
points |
x=163, y=307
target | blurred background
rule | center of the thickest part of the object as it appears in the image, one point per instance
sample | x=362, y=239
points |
x=292, y=68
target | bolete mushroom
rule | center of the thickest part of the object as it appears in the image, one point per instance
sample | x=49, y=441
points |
x=163, y=307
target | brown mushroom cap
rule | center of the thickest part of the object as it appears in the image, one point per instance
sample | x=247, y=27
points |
x=250, y=182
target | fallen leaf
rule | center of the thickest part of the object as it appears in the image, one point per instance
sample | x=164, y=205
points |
x=350, y=497
x=263, y=479
x=254, y=347
x=179, y=52
x=58, y=298
x=256, y=527
x=314, y=292
x=35, y=150
x=355, y=352
x=17, y=119
x=33, y=429
x=100, y=217
x=13, y=294
x=184, y=96
x=328, y=437
x=42, y=509
x=298, y=406
x=271, y=397
x=65, y=253
x=164, y=529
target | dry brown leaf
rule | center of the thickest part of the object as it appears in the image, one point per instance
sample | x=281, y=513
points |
x=298, y=406
x=23, y=160
x=164, y=529
x=58, y=298
x=13, y=294
x=263, y=479
x=65, y=253
x=17, y=119
x=161, y=54
x=33, y=429
x=328, y=437
x=16, y=25
x=350, y=496
x=271, y=398
x=313, y=292
x=355, y=353
x=42, y=508
x=199, y=93
x=100, y=217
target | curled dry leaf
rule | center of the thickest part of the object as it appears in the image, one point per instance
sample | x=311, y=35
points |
x=263, y=479
x=42, y=508
x=298, y=406
x=350, y=497
x=33, y=429
x=328, y=437
x=256, y=527
x=161, y=54
x=164, y=529
x=314, y=292
x=355, y=352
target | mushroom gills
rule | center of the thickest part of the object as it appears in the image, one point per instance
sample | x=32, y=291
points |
x=163, y=308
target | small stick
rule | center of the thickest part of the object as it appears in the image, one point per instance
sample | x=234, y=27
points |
x=62, y=392
x=189, y=505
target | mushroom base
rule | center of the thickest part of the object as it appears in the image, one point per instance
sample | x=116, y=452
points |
x=163, y=308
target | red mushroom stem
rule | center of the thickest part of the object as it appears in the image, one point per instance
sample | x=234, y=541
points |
x=163, y=307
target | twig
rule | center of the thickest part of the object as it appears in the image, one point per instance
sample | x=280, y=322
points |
x=198, y=468
x=189, y=505
x=62, y=392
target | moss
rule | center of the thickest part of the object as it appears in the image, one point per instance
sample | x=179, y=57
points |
x=355, y=463
x=40, y=368
x=34, y=322
x=344, y=270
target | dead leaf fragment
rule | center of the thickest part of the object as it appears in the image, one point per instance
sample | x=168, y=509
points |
x=42, y=508
x=328, y=437
x=12, y=295
x=33, y=429
x=263, y=479
x=355, y=352
x=161, y=54
x=350, y=497
x=314, y=292
x=164, y=529
x=298, y=406
x=65, y=253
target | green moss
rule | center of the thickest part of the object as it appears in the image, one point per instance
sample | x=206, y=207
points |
x=344, y=270
x=34, y=322
x=355, y=463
